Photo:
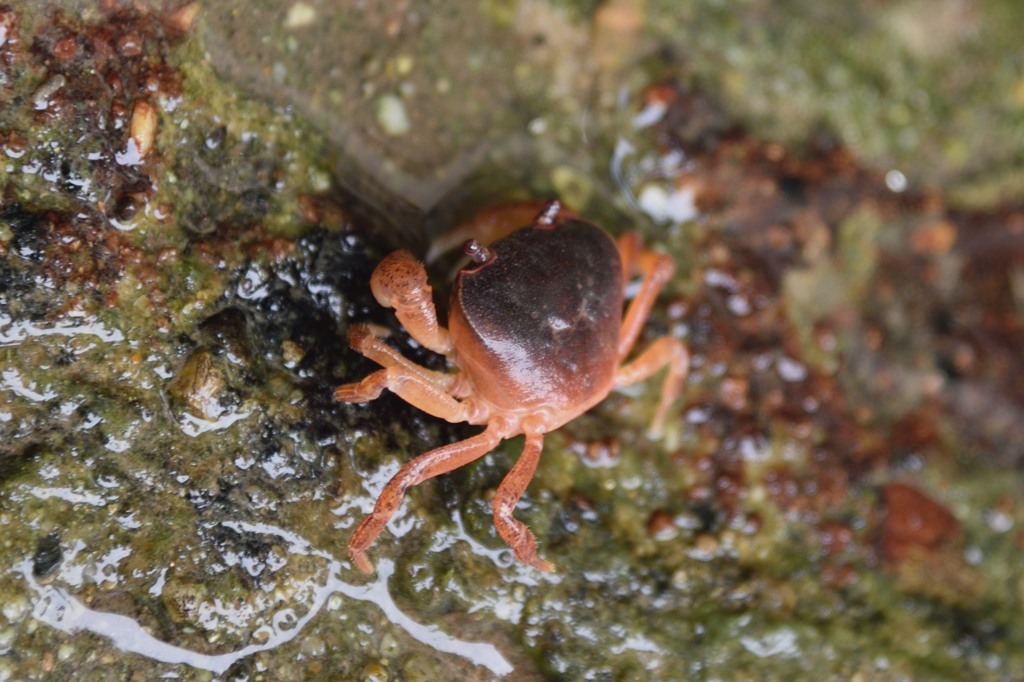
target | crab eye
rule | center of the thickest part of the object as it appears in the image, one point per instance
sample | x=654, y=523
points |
x=477, y=252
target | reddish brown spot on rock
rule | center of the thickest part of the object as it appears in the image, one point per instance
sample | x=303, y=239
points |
x=933, y=238
x=838, y=575
x=733, y=392
x=15, y=145
x=182, y=18
x=65, y=48
x=660, y=525
x=661, y=93
x=912, y=521
x=9, y=26
x=602, y=452
x=129, y=44
x=835, y=537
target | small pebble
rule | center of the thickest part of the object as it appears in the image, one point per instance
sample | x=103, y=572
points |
x=143, y=127
x=392, y=116
x=300, y=15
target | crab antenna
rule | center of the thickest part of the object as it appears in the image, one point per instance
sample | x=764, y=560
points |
x=477, y=252
x=547, y=216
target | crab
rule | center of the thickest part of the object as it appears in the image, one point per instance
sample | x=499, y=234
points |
x=537, y=335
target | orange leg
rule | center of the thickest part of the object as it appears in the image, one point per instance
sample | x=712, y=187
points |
x=628, y=244
x=487, y=226
x=656, y=269
x=491, y=224
x=400, y=282
x=428, y=465
x=408, y=387
x=426, y=389
x=367, y=341
x=513, y=532
x=663, y=352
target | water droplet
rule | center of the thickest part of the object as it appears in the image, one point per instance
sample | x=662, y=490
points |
x=896, y=181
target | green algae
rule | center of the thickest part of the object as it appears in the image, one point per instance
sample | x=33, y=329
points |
x=932, y=91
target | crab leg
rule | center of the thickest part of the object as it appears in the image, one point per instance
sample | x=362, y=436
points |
x=433, y=392
x=428, y=465
x=400, y=282
x=512, y=487
x=409, y=387
x=655, y=268
x=366, y=340
x=628, y=245
x=487, y=226
x=663, y=352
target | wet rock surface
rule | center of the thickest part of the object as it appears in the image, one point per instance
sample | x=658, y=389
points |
x=179, y=262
